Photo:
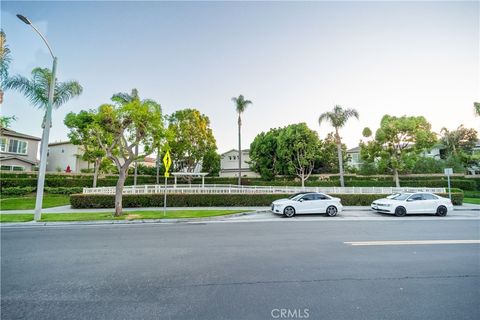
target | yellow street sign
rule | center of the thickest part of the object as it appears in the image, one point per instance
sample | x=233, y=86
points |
x=167, y=162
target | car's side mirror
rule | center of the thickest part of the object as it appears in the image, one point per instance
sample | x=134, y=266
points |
x=410, y=200
x=301, y=200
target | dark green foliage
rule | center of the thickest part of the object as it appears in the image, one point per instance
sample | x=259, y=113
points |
x=212, y=200
x=17, y=191
x=350, y=181
x=63, y=190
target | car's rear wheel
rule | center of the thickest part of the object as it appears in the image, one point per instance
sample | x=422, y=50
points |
x=332, y=211
x=400, y=211
x=442, y=211
x=289, y=211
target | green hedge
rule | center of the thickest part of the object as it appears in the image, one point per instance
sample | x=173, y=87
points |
x=464, y=184
x=20, y=191
x=213, y=200
x=17, y=191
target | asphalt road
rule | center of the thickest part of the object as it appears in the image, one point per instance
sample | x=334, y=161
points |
x=248, y=270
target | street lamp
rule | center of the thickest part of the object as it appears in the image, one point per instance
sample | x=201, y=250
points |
x=46, y=128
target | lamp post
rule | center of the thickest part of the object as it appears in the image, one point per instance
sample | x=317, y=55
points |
x=46, y=125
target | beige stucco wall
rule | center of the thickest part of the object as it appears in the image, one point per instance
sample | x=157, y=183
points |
x=32, y=149
x=15, y=162
x=63, y=155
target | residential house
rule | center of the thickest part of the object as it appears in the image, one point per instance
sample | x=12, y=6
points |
x=64, y=154
x=18, y=151
x=354, y=160
x=229, y=164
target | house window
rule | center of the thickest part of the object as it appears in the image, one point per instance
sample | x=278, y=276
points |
x=3, y=144
x=14, y=146
x=12, y=168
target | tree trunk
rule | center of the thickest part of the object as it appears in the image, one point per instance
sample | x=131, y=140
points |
x=122, y=175
x=340, y=158
x=158, y=166
x=239, y=151
x=397, y=179
x=302, y=176
x=136, y=165
x=95, y=172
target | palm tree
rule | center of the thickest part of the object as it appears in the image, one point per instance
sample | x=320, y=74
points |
x=240, y=105
x=338, y=117
x=476, y=106
x=36, y=88
x=5, y=60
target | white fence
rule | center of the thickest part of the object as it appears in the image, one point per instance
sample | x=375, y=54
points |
x=235, y=189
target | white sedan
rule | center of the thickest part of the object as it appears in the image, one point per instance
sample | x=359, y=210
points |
x=307, y=203
x=420, y=202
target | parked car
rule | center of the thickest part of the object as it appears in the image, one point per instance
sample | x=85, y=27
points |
x=419, y=202
x=307, y=203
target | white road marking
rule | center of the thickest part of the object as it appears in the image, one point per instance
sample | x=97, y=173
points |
x=410, y=242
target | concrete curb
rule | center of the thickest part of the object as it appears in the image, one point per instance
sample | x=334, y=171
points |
x=123, y=222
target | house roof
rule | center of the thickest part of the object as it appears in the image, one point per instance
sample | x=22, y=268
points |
x=10, y=133
x=236, y=150
x=354, y=150
x=23, y=159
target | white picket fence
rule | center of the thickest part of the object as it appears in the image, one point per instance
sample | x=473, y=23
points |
x=235, y=189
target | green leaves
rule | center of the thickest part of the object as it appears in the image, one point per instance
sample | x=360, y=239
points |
x=241, y=103
x=191, y=139
x=36, y=89
x=338, y=117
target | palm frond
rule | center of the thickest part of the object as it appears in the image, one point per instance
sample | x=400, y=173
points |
x=64, y=91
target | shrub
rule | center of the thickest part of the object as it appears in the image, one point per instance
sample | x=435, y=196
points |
x=17, y=191
x=213, y=200
x=63, y=190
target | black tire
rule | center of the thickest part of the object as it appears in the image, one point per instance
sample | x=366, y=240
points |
x=400, y=211
x=289, y=212
x=441, y=211
x=332, y=211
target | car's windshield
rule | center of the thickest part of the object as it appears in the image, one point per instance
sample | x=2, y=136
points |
x=402, y=196
x=295, y=195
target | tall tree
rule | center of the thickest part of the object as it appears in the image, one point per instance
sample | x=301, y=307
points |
x=337, y=118
x=120, y=127
x=190, y=139
x=298, y=147
x=36, y=89
x=5, y=60
x=399, y=139
x=328, y=156
x=240, y=105
x=81, y=133
x=124, y=98
x=264, y=158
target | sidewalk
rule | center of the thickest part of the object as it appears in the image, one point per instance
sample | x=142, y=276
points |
x=68, y=209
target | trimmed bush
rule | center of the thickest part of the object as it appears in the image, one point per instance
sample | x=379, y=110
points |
x=63, y=190
x=17, y=191
x=214, y=200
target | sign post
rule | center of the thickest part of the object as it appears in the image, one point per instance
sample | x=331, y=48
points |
x=167, y=162
x=448, y=173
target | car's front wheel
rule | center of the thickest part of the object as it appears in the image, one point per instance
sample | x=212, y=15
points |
x=400, y=211
x=442, y=211
x=332, y=211
x=289, y=211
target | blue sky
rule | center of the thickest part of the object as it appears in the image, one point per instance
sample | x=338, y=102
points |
x=295, y=60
